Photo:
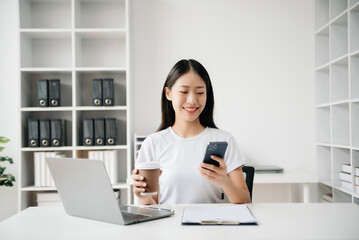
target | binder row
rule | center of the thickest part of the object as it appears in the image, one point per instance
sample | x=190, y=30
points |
x=109, y=158
x=99, y=131
x=43, y=177
x=48, y=93
x=102, y=92
x=46, y=132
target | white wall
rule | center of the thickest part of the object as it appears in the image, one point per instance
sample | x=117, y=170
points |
x=9, y=100
x=260, y=56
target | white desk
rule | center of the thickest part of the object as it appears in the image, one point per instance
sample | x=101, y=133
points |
x=276, y=221
x=288, y=176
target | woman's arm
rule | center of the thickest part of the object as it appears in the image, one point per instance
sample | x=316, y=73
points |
x=232, y=184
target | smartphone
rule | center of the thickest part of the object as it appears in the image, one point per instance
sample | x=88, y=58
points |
x=215, y=148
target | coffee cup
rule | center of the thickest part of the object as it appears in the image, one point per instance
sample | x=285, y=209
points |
x=151, y=173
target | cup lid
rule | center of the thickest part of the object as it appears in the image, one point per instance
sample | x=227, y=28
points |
x=147, y=165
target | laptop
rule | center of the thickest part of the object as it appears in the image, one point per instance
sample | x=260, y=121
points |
x=85, y=191
x=268, y=169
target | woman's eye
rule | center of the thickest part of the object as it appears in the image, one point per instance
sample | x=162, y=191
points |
x=183, y=92
x=200, y=93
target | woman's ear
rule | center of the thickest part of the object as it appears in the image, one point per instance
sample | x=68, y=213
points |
x=168, y=94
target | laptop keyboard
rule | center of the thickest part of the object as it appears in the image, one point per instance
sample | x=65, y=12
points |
x=133, y=216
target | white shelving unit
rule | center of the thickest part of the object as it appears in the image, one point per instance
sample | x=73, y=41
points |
x=337, y=94
x=74, y=41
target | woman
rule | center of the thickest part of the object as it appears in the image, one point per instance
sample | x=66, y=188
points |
x=180, y=143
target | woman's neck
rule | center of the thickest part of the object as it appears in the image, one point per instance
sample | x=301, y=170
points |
x=187, y=129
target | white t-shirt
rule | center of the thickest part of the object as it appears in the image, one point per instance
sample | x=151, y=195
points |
x=179, y=158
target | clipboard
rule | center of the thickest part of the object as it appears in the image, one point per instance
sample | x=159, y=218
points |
x=235, y=214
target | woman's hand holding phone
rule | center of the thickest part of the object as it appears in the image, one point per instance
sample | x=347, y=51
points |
x=218, y=175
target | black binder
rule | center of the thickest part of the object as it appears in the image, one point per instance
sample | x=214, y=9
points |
x=57, y=132
x=110, y=128
x=44, y=133
x=99, y=131
x=42, y=93
x=108, y=92
x=97, y=92
x=54, y=93
x=88, y=132
x=33, y=132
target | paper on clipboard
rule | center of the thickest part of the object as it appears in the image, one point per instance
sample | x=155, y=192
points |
x=218, y=215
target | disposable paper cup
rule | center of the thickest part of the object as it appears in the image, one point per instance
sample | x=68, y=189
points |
x=151, y=173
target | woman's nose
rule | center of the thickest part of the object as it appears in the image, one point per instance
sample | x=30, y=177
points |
x=191, y=98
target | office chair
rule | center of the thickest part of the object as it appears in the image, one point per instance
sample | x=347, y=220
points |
x=249, y=178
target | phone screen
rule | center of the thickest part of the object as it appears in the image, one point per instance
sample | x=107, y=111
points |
x=215, y=148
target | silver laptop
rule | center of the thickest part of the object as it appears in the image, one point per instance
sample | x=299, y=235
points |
x=85, y=191
x=268, y=169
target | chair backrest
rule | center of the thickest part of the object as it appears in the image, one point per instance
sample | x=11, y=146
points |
x=249, y=170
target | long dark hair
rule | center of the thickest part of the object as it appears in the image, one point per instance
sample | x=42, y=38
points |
x=180, y=68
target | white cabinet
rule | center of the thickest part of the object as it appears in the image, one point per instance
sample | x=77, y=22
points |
x=74, y=41
x=337, y=95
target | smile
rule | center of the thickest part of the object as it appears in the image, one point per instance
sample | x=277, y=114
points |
x=191, y=109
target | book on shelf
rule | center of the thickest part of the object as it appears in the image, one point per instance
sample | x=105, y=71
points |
x=109, y=158
x=345, y=177
x=327, y=197
x=48, y=199
x=357, y=171
x=347, y=168
x=43, y=177
x=357, y=189
x=357, y=180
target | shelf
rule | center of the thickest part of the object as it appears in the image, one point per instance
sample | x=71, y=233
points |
x=84, y=82
x=340, y=124
x=324, y=162
x=338, y=8
x=354, y=29
x=322, y=86
x=341, y=146
x=355, y=127
x=354, y=4
x=45, y=109
x=100, y=49
x=354, y=76
x=323, y=125
x=55, y=114
x=340, y=102
x=343, y=190
x=45, y=14
x=109, y=14
x=37, y=189
x=121, y=126
x=31, y=149
x=93, y=148
x=45, y=50
x=340, y=157
x=339, y=37
x=74, y=41
x=322, y=47
x=321, y=13
x=90, y=108
x=29, y=81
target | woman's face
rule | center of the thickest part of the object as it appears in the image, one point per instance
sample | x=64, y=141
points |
x=188, y=96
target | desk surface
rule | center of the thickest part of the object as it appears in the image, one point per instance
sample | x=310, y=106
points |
x=276, y=221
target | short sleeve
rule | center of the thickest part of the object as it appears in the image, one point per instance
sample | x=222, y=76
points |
x=233, y=156
x=147, y=153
